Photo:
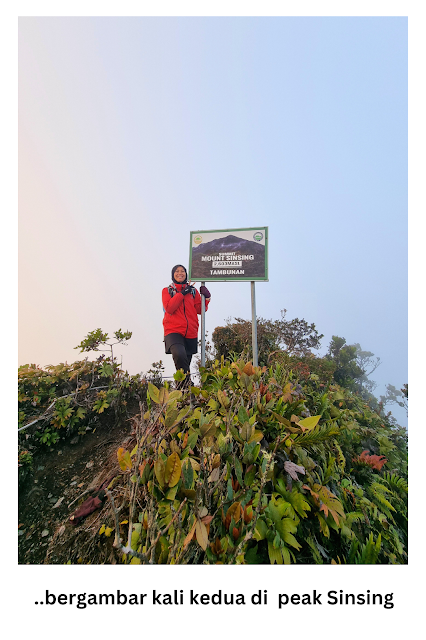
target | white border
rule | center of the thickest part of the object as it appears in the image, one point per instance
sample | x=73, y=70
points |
x=23, y=582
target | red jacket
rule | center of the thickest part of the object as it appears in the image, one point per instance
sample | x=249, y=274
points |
x=181, y=312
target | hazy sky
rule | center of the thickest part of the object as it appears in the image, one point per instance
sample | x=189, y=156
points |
x=135, y=131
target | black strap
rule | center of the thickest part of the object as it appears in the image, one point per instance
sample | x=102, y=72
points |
x=172, y=291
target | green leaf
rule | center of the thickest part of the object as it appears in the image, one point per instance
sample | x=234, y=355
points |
x=159, y=470
x=124, y=460
x=106, y=370
x=286, y=555
x=170, y=417
x=172, y=470
x=243, y=416
x=310, y=423
x=250, y=453
x=315, y=551
x=145, y=473
x=329, y=503
x=288, y=425
x=100, y=405
x=189, y=493
x=275, y=555
x=235, y=433
x=285, y=527
x=208, y=430
x=188, y=474
x=136, y=533
x=251, y=556
x=261, y=530
x=223, y=399
x=192, y=438
x=163, y=396
x=323, y=526
x=171, y=493
x=174, y=395
x=295, y=498
x=238, y=470
x=203, y=419
x=246, y=431
x=256, y=436
x=229, y=491
x=249, y=477
x=154, y=393
x=279, y=509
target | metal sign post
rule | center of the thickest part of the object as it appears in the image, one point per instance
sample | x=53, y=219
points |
x=203, y=329
x=253, y=324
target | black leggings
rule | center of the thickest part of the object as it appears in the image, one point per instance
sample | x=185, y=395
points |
x=181, y=357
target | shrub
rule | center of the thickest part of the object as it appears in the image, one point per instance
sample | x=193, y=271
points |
x=258, y=469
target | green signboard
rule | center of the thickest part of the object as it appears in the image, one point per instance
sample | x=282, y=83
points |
x=229, y=255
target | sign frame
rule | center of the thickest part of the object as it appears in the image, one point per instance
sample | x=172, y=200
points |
x=225, y=279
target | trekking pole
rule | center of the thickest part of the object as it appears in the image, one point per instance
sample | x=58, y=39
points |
x=203, y=329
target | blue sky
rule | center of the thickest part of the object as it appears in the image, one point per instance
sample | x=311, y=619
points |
x=135, y=131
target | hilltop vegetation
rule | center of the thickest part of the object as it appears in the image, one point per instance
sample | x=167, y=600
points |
x=293, y=461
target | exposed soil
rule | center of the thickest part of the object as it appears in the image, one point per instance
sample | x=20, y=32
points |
x=56, y=487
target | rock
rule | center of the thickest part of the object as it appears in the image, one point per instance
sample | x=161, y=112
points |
x=55, y=506
x=44, y=533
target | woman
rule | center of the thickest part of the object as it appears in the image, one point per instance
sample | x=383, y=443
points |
x=182, y=305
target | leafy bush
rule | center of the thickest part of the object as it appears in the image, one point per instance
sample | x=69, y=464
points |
x=295, y=337
x=262, y=467
x=58, y=401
